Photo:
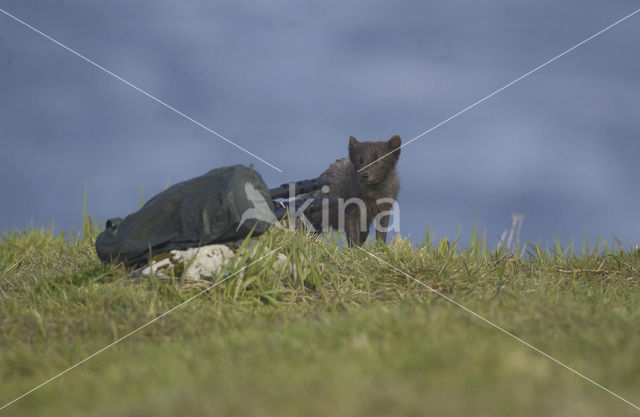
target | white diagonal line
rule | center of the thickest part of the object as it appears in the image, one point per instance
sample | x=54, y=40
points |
x=502, y=330
x=504, y=87
x=140, y=90
x=135, y=331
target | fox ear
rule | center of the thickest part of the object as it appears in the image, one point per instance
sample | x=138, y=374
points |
x=394, y=144
x=352, y=147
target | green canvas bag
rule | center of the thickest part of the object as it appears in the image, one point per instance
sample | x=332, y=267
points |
x=201, y=211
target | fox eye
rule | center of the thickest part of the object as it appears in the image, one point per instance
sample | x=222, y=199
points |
x=361, y=160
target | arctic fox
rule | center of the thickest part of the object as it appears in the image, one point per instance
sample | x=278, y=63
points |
x=365, y=190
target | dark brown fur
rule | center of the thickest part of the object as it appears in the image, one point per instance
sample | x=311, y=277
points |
x=380, y=180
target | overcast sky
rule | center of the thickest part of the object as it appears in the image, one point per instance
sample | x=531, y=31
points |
x=291, y=81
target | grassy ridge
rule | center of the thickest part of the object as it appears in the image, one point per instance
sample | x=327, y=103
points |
x=336, y=332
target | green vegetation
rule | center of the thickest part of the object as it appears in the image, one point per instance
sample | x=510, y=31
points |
x=334, y=333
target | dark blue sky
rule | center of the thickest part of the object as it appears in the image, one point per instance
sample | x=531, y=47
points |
x=291, y=81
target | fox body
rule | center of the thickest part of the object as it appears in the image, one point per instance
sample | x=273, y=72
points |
x=361, y=186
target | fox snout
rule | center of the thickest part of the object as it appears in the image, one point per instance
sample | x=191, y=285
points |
x=364, y=176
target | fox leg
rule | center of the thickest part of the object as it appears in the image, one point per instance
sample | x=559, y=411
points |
x=381, y=228
x=352, y=228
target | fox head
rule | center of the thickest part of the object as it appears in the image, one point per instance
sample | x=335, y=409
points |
x=366, y=156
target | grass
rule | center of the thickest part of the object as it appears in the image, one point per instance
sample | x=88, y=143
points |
x=333, y=333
